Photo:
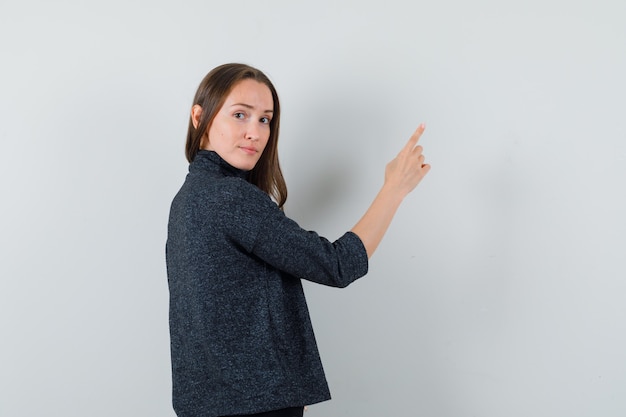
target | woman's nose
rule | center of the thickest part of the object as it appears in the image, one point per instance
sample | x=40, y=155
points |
x=253, y=132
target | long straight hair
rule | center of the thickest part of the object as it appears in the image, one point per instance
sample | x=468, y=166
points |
x=211, y=95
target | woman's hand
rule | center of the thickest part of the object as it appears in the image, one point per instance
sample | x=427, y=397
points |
x=407, y=169
x=401, y=176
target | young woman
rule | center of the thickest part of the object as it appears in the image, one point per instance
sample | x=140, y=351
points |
x=241, y=337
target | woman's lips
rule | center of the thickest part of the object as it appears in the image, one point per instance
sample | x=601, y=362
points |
x=249, y=150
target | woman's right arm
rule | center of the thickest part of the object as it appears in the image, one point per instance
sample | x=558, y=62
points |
x=256, y=223
x=402, y=175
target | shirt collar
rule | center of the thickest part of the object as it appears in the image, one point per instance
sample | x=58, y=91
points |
x=210, y=160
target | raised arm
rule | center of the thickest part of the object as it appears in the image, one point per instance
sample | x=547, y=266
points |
x=402, y=175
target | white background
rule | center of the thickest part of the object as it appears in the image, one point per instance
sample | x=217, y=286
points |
x=500, y=288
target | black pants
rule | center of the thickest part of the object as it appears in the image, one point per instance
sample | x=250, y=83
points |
x=285, y=412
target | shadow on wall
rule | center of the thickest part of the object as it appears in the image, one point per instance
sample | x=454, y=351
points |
x=332, y=152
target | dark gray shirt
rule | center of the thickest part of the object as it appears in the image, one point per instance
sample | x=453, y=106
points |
x=241, y=337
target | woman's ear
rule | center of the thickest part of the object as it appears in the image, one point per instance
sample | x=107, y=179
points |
x=196, y=114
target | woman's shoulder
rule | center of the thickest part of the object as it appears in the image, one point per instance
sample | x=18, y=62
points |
x=227, y=190
x=239, y=187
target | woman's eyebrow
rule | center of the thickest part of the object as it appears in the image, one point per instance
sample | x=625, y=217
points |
x=248, y=106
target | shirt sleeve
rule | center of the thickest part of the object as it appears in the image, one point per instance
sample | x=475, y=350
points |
x=263, y=230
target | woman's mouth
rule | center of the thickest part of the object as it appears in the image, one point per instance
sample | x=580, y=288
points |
x=248, y=149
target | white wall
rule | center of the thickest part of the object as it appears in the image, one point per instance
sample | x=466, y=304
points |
x=499, y=290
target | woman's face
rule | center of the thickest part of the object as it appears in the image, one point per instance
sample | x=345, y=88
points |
x=240, y=130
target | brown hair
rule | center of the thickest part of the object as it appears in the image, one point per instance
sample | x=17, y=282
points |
x=211, y=95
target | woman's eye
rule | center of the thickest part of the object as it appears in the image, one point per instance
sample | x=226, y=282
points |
x=239, y=115
x=265, y=120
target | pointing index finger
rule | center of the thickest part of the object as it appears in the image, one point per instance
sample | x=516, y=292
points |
x=415, y=137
